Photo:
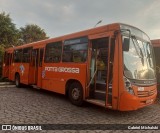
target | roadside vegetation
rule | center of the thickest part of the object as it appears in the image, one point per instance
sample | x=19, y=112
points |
x=11, y=36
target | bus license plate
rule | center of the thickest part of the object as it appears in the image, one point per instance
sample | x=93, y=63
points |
x=149, y=101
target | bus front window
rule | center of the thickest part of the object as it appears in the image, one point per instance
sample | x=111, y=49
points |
x=138, y=60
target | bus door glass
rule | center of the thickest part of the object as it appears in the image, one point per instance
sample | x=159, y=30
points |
x=33, y=73
x=98, y=69
x=110, y=70
x=39, y=65
x=10, y=64
x=6, y=64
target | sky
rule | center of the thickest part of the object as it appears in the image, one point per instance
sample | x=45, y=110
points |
x=61, y=17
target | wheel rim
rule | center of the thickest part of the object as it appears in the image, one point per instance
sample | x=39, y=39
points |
x=75, y=93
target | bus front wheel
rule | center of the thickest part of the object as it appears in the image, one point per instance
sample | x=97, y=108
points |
x=17, y=80
x=76, y=94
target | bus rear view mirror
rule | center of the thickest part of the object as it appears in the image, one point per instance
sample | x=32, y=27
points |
x=126, y=44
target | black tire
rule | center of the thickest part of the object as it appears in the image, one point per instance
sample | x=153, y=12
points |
x=17, y=81
x=76, y=94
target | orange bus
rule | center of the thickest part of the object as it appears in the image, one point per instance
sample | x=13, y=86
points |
x=110, y=66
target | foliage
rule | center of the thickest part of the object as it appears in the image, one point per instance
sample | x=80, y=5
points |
x=32, y=33
x=9, y=34
x=1, y=56
x=1, y=50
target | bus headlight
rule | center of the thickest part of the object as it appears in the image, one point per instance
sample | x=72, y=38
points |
x=128, y=86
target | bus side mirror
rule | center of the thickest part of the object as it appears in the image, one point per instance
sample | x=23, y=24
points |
x=126, y=43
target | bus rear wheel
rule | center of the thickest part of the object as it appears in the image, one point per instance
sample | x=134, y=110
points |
x=76, y=94
x=17, y=80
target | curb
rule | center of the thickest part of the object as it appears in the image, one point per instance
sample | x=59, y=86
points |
x=7, y=86
x=6, y=83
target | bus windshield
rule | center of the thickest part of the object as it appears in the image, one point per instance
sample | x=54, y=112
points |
x=138, y=60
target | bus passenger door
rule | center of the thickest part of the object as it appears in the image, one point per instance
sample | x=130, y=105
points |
x=10, y=66
x=6, y=65
x=39, y=73
x=100, y=86
x=99, y=71
x=33, y=70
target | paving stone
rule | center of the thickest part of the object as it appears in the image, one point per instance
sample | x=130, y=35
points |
x=31, y=106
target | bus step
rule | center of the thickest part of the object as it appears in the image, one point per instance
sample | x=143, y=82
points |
x=101, y=86
x=110, y=98
x=109, y=106
x=35, y=86
x=96, y=101
x=99, y=94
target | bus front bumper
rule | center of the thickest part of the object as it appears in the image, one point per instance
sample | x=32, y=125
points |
x=130, y=102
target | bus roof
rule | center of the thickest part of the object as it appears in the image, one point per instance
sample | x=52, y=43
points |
x=156, y=42
x=100, y=29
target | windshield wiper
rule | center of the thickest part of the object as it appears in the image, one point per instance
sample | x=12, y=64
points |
x=138, y=49
x=137, y=45
x=149, y=55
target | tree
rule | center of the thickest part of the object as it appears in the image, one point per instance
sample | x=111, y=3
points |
x=9, y=34
x=31, y=33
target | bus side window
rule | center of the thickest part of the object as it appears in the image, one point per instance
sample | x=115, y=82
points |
x=18, y=55
x=75, y=50
x=53, y=52
x=5, y=58
x=34, y=57
x=26, y=55
x=77, y=56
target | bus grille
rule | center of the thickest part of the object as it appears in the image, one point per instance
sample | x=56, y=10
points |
x=146, y=93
